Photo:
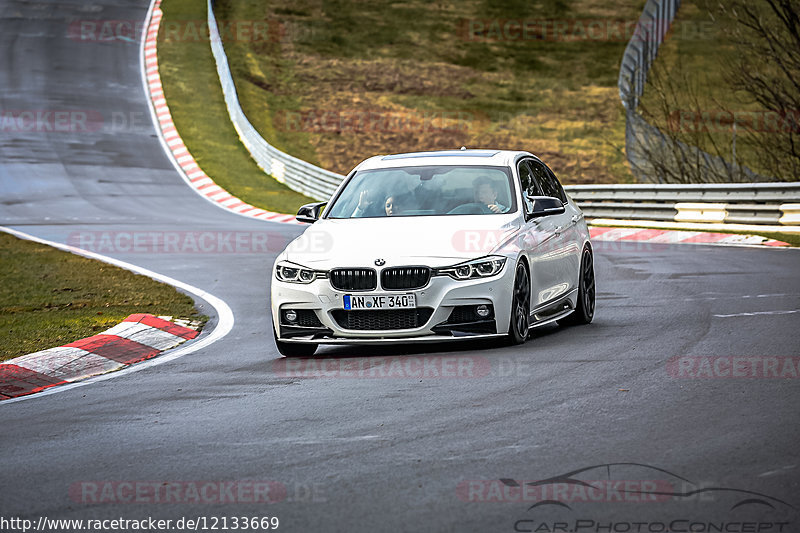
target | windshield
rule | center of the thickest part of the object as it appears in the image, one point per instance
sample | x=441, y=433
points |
x=426, y=191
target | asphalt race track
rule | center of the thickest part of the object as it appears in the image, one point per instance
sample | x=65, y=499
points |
x=367, y=453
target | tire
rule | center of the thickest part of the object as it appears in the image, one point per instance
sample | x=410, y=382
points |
x=520, y=307
x=294, y=349
x=584, y=311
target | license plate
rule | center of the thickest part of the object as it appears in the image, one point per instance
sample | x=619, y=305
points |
x=379, y=301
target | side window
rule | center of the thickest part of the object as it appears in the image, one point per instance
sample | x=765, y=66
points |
x=547, y=181
x=556, y=185
x=528, y=184
x=540, y=177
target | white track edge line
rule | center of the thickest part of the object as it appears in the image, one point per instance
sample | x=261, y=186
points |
x=225, y=318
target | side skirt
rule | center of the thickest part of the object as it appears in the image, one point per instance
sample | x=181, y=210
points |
x=553, y=311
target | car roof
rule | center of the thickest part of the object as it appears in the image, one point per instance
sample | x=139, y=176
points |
x=443, y=157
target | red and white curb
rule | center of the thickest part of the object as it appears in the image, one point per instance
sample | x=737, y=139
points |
x=135, y=339
x=225, y=319
x=675, y=237
x=191, y=171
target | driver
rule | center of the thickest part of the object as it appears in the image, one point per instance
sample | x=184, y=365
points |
x=485, y=191
x=364, y=204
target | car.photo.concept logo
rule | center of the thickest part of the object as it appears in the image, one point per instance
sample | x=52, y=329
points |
x=632, y=498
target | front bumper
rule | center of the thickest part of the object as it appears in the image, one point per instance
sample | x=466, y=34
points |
x=323, y=339
x=439, y=297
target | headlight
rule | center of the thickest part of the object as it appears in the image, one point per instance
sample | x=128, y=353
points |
x=292, y=273
x=484, y=267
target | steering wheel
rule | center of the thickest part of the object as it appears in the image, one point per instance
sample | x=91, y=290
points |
x=472, y=208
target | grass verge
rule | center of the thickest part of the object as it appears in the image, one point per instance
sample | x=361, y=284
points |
x=413, y=62
x=552, y=92
x=191, y=86
x=49, y=298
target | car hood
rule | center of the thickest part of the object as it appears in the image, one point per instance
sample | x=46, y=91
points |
x=432, y=241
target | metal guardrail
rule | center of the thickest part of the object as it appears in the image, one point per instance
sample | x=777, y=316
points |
x=752, y=202
x=297, y=174
x=737, y=203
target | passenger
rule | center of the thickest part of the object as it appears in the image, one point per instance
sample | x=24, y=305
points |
x=486, y=193
x=391, y=207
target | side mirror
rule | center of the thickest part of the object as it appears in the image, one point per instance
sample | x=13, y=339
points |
x=309, y=213
x=544, y=206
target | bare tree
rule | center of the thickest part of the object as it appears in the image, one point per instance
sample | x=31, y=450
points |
x=675, y=144
x=766, y=34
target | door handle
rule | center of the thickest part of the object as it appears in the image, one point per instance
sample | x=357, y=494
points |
x=575, y=218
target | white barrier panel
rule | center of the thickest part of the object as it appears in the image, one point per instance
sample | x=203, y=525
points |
x=791, y=215
x=693, y=212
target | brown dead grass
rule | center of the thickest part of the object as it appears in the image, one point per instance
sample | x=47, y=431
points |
x=401, y=61
x=344, y=90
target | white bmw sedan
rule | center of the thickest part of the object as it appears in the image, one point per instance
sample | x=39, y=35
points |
x=435, y=246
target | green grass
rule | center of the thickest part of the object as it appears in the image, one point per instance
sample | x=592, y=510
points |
x=49, y=297
x=555, y=98
x=189, y=76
